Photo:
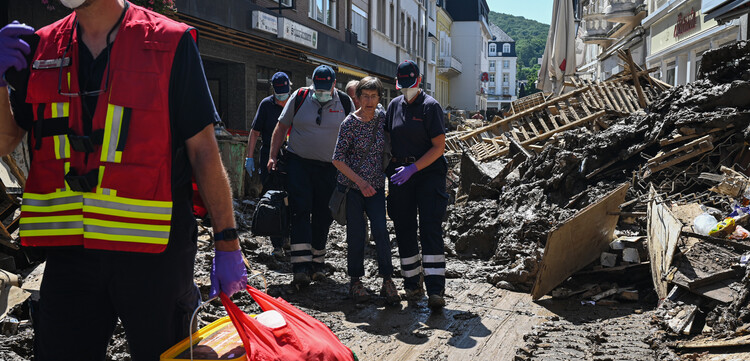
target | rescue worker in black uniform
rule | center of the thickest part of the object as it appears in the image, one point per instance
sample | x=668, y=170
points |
x=417, y=175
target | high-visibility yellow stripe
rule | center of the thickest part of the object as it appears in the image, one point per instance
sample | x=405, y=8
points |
x=124, y=225
x=131, y=239
x=50, y=209
x=51, y=232
x=131, y=201
x=112, y=129
x=49, y=219
x=127, y=214
x=48, y=196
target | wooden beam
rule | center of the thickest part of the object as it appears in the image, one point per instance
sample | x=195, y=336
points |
x=663, y=233
x=713, y=343
x=636, y=81
x=578, y=242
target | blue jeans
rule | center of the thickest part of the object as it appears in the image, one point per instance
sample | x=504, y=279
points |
x=356, y=205
x=310, y=184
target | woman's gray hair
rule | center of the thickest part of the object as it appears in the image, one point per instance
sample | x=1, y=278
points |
x=369, y=83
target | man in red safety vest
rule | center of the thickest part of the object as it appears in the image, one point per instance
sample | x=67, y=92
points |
x=119, y=116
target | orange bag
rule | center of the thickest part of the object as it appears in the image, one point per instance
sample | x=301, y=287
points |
x=302, y=338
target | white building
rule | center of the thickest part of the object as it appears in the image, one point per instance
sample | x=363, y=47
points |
x=470, y=35
x=679, y=34
x=502, y=70
x=431, y=46
x=399, y=33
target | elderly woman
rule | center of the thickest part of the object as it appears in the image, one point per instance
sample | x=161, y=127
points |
x=358, y=157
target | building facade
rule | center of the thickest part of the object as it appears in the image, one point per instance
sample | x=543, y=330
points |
x=399, y=33
x=608, y=26
x=448, y=67
x=501, y=52
x=470, y=35
x=679, y=34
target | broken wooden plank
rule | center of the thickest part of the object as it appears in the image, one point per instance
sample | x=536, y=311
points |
x=712, y=278
x=680, y=154
x=719, y=241
x=718, y=291
x=713, y=343
x=663, y=233
x=578, y=242
x=635, y=76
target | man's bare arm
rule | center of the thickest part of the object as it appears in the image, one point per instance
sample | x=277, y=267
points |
x=213, y=183
x=277, y=138
x=10, y=133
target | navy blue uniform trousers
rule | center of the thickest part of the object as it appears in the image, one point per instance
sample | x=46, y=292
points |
x=310, y=184
x=422, y=195
x=86, y=291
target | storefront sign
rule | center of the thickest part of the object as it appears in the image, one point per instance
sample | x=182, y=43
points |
x=685, y=23
x=265, y=22
x=298, y=33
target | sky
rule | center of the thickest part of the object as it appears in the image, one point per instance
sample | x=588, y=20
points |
x=539, y=10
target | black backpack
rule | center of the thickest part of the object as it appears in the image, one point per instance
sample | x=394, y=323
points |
x=271, y=216
x=302, y=94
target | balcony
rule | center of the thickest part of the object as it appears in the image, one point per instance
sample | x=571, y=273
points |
x=597, y=31
x=505, y=83
x=625, y=11
x=449, y=66
x=491, y=84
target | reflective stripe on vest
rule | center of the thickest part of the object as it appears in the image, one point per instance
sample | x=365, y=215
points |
x=51, y=214
x=107, y=218
x=62, y=146
x=111, y=146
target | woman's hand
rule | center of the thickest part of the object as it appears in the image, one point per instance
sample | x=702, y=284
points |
x=366, y=189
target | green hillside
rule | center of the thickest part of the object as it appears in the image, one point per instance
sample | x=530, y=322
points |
x=530, y=37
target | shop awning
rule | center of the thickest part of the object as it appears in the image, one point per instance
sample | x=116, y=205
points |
x=352, y=72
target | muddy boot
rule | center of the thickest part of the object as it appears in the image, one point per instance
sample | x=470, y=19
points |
x=301, y=280
x=358, y=292
x=389, y=292
x=413, y=294
x=436, y=301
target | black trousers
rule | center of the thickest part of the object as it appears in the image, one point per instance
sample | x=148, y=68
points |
x=310, y=184
x=422, y=195
x=84, y=292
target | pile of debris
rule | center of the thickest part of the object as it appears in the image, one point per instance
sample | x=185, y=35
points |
x=587, y=183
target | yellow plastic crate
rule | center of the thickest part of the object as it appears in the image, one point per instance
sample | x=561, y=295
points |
x=218, y=341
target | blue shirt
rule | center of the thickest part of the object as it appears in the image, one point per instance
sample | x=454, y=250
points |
x=265, y=121
x=412, y=126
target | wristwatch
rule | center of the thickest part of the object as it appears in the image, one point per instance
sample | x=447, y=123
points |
x=228, y=234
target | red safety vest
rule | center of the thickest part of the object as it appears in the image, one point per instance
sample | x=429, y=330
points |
x=111, y=190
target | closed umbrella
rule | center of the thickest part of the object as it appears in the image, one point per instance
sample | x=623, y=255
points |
x=559, y=57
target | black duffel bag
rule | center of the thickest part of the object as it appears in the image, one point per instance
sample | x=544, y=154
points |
x=271, y=216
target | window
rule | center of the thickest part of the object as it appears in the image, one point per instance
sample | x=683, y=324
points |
x=401, y=40
x=493, y=49
x=506, y=91
x=381, y=16
x=324, y=11
x=492, y=78
x=407, y=42
x=284, y=2
x=506, y=64
x=393, y=24
x=492, y=65
x=359, y=25
x=433, y=54
x=670, y=73
x=506, y=48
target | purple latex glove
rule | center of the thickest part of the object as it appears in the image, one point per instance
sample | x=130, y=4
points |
x=12, y=48
x=228, y=273
x=403, y=174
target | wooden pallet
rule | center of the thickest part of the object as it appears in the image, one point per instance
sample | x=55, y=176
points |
x=586, y=104
x=678, y=155
x=527, y=102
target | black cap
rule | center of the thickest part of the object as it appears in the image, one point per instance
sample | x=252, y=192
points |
x=407, y=75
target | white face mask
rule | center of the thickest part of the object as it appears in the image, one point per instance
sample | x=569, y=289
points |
x=409, y=93
x=72, y=4
x=323, y=96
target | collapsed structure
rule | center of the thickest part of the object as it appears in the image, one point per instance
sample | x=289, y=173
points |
x=609, y=177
